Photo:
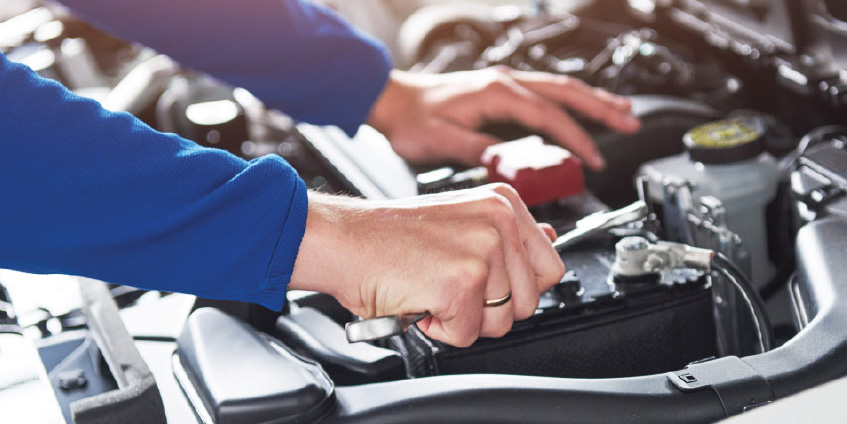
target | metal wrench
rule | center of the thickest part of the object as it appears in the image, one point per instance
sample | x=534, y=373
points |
x=377, y=328
x=392, y=325
x=600, y=221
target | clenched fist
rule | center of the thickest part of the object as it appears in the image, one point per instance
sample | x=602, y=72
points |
x=444, y=253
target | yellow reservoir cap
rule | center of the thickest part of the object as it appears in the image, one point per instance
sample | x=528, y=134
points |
x=726, y=141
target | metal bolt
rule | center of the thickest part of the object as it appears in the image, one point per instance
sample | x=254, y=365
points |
x=631, y=244
x=654, y=263
x=73, y=379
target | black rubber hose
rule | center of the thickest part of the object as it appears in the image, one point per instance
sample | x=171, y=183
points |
x=751, y=297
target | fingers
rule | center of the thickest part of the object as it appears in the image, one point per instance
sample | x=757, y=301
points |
x=460, y=331
x=429, y=117
x=548, y=230
x=546, y=264
x=495, y=239
x=497, y=320
x=518, y=261
x=499, y=212
x=594, y=103
x=462, y=144
x=460, y=323
x=510, y=100
x=481, y=244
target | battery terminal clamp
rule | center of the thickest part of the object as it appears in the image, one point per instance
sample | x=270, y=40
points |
x=635, y=257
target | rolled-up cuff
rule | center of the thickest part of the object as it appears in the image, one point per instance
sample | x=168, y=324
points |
x=272, y=293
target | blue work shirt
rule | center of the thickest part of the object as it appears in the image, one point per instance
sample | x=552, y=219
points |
x=84, y=191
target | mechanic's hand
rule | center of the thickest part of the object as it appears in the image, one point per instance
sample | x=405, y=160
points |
x=429, y=117
x=444, y=253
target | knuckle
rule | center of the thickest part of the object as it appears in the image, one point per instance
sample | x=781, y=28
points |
x=498, y=208
x=499, y=85
x=505, y=190
x=480, y=240
x=603, y=94
x=489, y=242
x=471, y=275
x=504, y=218
x=502, y=70
x=567, y=81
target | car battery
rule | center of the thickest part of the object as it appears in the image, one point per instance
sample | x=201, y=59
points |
x=587, y=327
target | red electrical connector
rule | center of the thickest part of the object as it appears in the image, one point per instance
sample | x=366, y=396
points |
x=540, y=172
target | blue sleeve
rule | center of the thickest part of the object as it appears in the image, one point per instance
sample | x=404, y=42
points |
x=296, y=56
x=84, y=191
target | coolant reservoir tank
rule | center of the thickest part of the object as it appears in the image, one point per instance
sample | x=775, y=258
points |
x=727, y=160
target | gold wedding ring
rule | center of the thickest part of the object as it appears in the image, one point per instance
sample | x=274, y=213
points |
x=490, y=303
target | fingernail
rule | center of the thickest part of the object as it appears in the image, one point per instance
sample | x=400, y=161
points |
x=597, y=162
x=632, y=122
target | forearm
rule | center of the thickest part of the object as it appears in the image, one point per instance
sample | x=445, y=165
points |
x=296, y=56
x=87, y=192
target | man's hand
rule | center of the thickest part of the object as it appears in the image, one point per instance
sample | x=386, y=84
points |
x=435, y=117
x=443, y=253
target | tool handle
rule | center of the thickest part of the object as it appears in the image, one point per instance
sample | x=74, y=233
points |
x=380, y=327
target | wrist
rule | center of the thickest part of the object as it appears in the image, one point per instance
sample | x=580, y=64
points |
x=317, y=238
x=389, y=103
x=320, y=264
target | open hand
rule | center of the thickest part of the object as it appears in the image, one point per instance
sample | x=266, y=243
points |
x=431, y=117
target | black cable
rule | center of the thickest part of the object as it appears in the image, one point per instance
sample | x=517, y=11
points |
x=812, y=137
x=751, y=297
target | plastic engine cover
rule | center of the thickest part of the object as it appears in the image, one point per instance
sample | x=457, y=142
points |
x=242, y=377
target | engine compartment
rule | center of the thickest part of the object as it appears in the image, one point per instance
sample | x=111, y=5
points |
x=762, y=81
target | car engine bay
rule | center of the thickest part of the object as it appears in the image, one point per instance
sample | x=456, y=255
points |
x=705, y=276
